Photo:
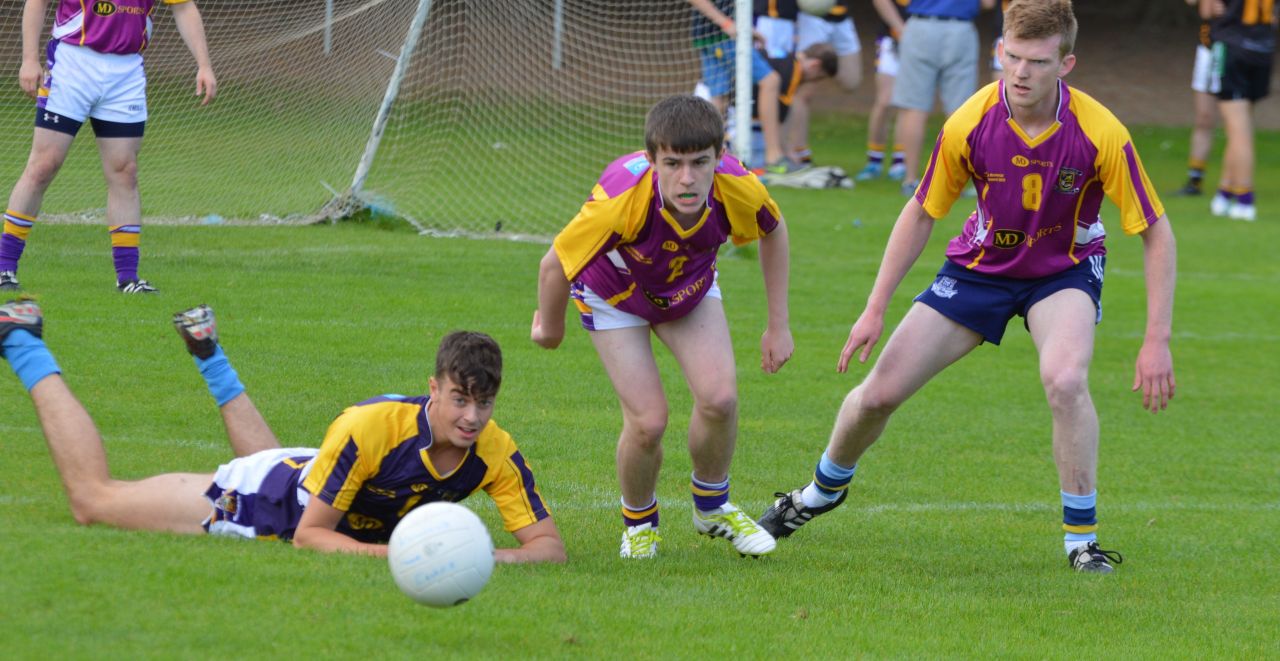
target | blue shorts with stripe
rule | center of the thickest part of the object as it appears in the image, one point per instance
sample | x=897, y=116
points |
x=985, y=303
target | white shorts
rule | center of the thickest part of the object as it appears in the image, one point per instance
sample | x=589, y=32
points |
x=238, y=481
x=842, y=36
x=996, y=66
x=603, y=316
x=779, y=36
x=1202, y=78
x=887, y=56
x=84, y=83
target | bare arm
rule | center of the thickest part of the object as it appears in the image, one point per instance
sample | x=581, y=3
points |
x=553, y=298
x=889, y=14
x=32, y=24
x=539, y=542
x=1153, y=373
x=776, y=345
x=191, y=27
x=906, y=242
x=1210, y=9
x=988, y=5
x=707, y=8
x=727, y=25
x=317, y=530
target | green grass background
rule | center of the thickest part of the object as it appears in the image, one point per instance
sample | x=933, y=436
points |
x=950, y=545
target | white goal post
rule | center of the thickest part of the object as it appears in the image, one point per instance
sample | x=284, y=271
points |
x=461, y=116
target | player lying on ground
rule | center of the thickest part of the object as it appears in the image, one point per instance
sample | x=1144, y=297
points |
x=379, y=459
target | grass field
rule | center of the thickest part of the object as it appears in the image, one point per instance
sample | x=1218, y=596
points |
x=950, y=545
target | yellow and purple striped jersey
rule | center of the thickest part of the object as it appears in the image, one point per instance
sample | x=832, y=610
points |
x=107, y=26
x=631, y=252
x=1038, y=197
x=373, y=465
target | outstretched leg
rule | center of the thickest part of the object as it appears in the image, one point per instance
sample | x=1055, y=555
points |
x=246, y=429
x=174, y=502
x=924, y=344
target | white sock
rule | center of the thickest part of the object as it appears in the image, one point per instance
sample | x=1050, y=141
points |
x=1070, y=546
x=812, y=496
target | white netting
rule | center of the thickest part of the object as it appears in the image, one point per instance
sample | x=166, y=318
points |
x=487, y=130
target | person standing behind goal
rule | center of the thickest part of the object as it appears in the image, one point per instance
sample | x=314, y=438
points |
x=1042, y=155
x=93, y=71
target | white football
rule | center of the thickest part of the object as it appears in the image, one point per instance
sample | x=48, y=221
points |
x=440, y=554
x=816, y=7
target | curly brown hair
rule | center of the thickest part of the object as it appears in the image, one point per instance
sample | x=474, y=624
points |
x=472, y=361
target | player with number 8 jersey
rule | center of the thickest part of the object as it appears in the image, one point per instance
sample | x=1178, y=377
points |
x=1039, y=197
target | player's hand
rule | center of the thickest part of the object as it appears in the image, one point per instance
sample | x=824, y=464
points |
x=29, y=75
x=206, y=85
x=543, y=336
x=1153, y=374
x=776, y=347
x=865, y=333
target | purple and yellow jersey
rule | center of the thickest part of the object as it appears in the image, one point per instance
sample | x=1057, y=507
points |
x=373, y=465
x=119, y=27
x=1038, y=198
x=631, y=252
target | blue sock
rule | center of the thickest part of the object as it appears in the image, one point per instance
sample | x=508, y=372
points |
x=29, y=357
x=1079, y=519
x=829, y=479
x=224, y=384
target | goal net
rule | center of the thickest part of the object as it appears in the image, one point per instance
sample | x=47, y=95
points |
x=506, y=110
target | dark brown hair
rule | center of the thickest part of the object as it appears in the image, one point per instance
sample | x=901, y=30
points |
x=826, y=54
x=684, y=124
x=472, y=361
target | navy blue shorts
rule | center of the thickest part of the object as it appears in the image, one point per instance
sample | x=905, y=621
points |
x=985, y=303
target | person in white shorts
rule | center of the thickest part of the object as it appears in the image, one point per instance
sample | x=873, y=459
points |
x=380, y=458
x=93, y=72
x=775, y=22
x=1204, y=87
x=836, y=28
x=882, y=110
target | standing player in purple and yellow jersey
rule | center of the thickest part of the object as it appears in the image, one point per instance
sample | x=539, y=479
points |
x=640, y=258
x=1042, y=155
x=93, y=71
x=379, y=459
